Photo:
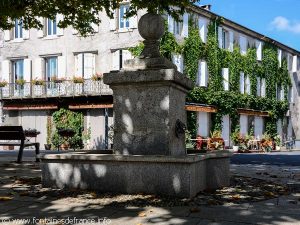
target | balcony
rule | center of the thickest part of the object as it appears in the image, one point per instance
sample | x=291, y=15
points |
x=54, y=89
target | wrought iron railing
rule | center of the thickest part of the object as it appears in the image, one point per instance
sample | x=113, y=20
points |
x=65, y=88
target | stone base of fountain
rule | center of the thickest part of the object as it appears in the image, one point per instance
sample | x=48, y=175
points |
x=159, y=175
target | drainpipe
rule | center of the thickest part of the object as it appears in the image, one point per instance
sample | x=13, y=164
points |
x=2, y=117
x=106, y=128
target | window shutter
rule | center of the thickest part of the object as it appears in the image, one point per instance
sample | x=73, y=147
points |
x=39, y=68
x=95, y=27
x=291, y=95
x=171, y=24
x=220, y=39
x=7, y=35
x=279, y=127
x=6, y=71
x=61, y=66
x=74, y=31
x=258, y=126
x=112, y=22
x=203, y=29
x=248, y=85
x=243, y=45
x=295, y=64
x=282, y=93
x=279, y=57
x=178, y=61
x=41, y=33
x=126, y=55
x=203, y=74
x=78, y=65
x=26, y=34
x=185, y=28
x=133, y=22
x=27, y=70
x=116, y=60
x=60, y=31
x=244, y=124
x=258, y=50
x=89, y=65
x=242, y=83
x=258, y=86
x=231, y=40
x=225, y=73
x=263, y=87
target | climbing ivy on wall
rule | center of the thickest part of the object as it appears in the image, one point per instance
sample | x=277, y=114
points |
x=227, y=102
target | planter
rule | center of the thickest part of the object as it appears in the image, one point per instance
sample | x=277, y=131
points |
x=47, y=146
x=8, y=147
x=235, y=148
x=278, y=148
x=65, y=147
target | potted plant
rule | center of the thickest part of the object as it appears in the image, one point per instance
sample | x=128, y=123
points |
x=235, y=138
x=216, y=141
x=38, y=82
x=20, y=82
x=97, y=77
x=57, y=80
x=277, y=141
x=31, y=132
x=266, y=142
x=3, y=83
x=78, y=80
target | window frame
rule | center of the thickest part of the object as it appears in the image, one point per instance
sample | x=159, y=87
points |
x=51, y=30
x=126, y=20
x=18, y=29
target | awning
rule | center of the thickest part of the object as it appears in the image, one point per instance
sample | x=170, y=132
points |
x=200, y=108
x=30, y=107
x=90, y=106
x=251, y=112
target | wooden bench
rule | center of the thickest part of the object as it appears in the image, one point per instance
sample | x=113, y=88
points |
x=14, y=136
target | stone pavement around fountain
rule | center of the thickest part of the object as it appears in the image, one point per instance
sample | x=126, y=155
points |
x=282, y=210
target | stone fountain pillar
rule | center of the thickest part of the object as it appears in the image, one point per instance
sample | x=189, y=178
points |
x=149, y=143
x=149, y=99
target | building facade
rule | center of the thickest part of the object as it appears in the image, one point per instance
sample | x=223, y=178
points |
x=57, y=55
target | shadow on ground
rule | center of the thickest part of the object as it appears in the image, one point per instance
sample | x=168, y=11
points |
x=16, y=179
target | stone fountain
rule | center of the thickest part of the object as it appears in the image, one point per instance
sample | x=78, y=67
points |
x=149, y=153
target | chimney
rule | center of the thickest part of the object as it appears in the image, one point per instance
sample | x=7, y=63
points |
x=206, y=7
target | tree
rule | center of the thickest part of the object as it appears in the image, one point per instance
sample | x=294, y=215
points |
x=79, y=13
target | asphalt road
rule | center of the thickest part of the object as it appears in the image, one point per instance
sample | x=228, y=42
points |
x=275, y=158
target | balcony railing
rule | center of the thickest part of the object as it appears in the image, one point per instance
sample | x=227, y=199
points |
x=66, y=88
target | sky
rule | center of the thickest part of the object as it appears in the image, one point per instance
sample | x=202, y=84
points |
x=277, y=19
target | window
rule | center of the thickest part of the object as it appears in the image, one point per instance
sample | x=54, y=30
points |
x=85, y=65
x=51, y=69
x=202, y=77
x=123, y=22
x=18, y=29
x=51, y=27
x=18, y=72
x=178, y=26
x=225, y=39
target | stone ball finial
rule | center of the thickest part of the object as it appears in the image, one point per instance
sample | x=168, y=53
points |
x=151, y=27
